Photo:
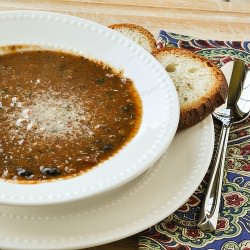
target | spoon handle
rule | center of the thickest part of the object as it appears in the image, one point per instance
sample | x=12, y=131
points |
x=209, y=213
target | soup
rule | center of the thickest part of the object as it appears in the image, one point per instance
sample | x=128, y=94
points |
x=61, y=114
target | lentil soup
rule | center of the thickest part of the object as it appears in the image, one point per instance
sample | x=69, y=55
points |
x=61, y=114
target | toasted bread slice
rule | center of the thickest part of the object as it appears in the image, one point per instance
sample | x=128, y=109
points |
x=136, y=33
x=201, y=85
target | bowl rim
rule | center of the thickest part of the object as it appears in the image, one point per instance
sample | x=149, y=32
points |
x=22, y=194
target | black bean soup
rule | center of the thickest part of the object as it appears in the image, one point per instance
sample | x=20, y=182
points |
x=61, y=114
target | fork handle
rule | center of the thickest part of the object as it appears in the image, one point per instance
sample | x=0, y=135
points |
x=209, y=213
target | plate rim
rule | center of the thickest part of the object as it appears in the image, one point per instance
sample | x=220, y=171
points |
x=128, y=228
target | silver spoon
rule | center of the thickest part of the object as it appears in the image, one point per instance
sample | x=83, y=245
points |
x=235, y=110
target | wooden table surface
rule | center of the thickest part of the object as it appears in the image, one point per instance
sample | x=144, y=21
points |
x=214, y=19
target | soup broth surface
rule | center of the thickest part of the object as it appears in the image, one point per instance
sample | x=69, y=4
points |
x=61, y=114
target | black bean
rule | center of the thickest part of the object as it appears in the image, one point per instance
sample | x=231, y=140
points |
x=107, y=147
x=24, y=172
x=99, y=81
x=52, y=171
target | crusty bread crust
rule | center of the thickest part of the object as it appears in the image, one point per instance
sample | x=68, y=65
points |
x=212, y=97
x=136, y=33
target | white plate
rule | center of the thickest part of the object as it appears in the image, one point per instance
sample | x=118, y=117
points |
x=133, y=208
x=159, y=101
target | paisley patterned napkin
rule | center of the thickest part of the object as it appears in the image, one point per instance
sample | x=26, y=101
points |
x=179, y=231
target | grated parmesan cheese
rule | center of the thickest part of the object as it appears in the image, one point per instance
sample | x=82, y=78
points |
x=53, y=115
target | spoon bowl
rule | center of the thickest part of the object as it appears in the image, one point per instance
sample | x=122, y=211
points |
x=238, y=102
